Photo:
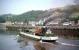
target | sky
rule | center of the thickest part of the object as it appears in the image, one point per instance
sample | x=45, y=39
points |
x=21, y=6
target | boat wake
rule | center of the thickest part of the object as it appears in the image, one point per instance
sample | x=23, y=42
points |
x=67, y=44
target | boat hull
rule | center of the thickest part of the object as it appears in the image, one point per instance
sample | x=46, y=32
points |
x=28, y=37
x=49, y=40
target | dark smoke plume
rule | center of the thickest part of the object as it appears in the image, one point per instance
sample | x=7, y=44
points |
x=76, y=2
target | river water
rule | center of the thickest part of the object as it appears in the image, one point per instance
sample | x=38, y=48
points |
x=8, y=41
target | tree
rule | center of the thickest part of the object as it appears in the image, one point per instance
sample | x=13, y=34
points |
x=75, y=19
x=2, y=20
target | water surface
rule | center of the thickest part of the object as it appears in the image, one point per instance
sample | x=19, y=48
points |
x=8, y=41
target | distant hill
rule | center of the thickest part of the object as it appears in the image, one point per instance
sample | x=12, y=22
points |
x=64, y=14
x=30, y=15
x=61, y=14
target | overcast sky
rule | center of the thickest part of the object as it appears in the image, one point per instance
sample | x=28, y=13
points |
x=21, y=6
